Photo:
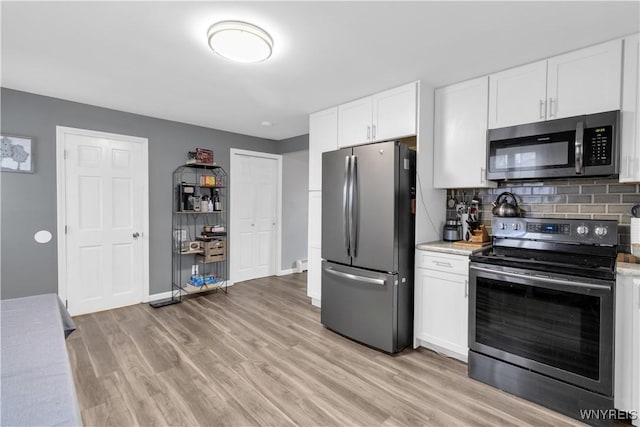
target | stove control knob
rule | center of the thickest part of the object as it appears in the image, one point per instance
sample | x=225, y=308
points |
x=600, y=231
x=502, y=226
x=515, y=226
x=582, y=230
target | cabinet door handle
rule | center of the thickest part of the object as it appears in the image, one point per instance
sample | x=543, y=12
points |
x=551, y=113
x=542, y=105
x=466, y=288
x=483, y=175
x=627, y=162
x=368, y=133
x=442, y=264
x=373, y=132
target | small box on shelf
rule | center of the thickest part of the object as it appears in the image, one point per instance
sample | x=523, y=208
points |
x=207, y=181
x=200, y=156
x=213, y=257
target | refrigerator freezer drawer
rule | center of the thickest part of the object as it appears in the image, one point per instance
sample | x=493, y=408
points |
x=361, y=304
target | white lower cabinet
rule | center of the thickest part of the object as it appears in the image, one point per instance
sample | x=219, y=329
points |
x=314, y=249
x=627, y=351
x=441, y=303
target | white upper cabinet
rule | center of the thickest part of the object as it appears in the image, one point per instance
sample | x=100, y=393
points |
x=460, y=135
x=383, y=116
x=585, y=81
x=630, y=112
x=395, y=113
x=354, y=122
x=323, y=136
x=518, y=95
x=581, y=82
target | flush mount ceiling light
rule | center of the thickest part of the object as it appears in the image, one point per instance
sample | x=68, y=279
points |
x=240, y=41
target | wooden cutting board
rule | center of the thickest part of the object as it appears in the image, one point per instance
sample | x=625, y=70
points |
x=624, y=257
x=472, y=245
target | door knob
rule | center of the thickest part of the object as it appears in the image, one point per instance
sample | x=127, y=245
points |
x=136, y=235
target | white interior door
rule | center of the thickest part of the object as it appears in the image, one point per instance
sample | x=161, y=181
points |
x=254, y=214
x=104, y=255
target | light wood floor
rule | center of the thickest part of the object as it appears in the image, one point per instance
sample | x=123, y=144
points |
x=259, y=356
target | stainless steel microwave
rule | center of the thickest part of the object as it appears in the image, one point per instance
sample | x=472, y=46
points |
x=572, y=147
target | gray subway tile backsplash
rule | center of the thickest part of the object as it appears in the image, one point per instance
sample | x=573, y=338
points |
x=631, y=198
x=580, y=199
x=606, y=198
x=593, y=208
x=568, y=189
x=622, y=188
x=567, y=208
x=593, y=189
x=585, y=198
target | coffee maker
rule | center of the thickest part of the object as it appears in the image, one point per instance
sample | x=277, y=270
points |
x=187, y=197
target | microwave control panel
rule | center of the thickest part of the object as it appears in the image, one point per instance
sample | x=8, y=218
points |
x=598, y=150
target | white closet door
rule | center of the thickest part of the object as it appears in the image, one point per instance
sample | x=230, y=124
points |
x=254, y=211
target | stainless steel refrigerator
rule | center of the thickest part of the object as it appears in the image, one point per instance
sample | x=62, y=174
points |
x=368, y=243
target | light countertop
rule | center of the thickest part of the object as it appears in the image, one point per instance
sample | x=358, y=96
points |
x=623, y=268
x=449, y=248
x=628, y=269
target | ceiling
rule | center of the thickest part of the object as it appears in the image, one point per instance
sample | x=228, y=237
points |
x=152, y=58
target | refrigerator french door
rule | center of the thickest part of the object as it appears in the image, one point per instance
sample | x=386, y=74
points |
x=367, y=243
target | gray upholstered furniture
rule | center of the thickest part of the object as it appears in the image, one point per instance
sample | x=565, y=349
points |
x=37, y=384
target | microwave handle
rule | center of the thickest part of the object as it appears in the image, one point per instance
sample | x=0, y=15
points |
x=579, y=145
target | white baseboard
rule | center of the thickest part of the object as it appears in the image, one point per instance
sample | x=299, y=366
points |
x=286, y=272
x=156, y=297
x=315, y=302
x=442, y=350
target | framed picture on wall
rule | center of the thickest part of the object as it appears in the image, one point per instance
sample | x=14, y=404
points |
x=17, y=154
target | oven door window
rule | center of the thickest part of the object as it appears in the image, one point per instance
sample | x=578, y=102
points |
x=557, y=328
x=532, y=153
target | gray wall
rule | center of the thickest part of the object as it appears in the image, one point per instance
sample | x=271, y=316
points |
x=297, y=143
x=295, y=199
x=29, y=200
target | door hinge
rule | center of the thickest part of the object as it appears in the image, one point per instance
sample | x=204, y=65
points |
x=66, y=154
x=66, y=229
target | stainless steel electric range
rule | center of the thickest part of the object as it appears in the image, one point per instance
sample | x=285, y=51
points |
x=541, y=312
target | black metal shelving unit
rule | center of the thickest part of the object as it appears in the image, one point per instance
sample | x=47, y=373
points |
x=199, y=232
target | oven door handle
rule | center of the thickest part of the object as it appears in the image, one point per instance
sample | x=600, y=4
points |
x=545, y=279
